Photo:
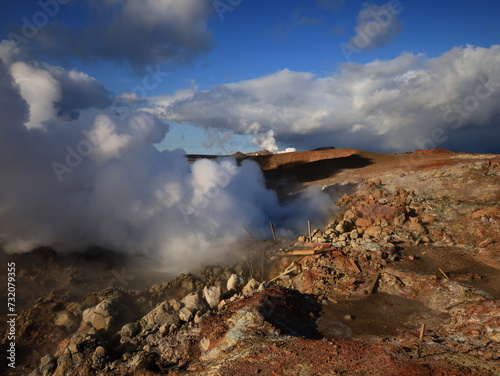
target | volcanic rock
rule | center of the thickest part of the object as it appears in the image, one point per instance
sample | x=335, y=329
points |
x=236, y=283
x=163, y=314
x=212, y=295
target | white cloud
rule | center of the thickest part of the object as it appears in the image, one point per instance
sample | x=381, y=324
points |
x=53, y=92
x=39, y=89
x=383, y=105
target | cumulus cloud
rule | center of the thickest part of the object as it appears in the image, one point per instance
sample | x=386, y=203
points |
x=393, y=106
x=99, y=181
x=139, y=33
x=54, y=92
x=376, y=26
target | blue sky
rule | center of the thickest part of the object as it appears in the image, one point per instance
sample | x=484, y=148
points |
x=258, y=47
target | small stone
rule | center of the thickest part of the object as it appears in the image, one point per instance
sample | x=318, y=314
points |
x=354, y=234
x=174, y=304
x=377, y=193
x=205, y=344
x=130, y=330
x=417, y=230
x=350, y=215
x=410, y=257
x=64, y=363
x=342, y=227
x=426, y=239
x=75, y=309
x=321, y=239
x=316, y=232
x=47, y=359
x=488, y=355
x=363, y=222
x=66, y=320
x=185, y=314
x=429, y=219
x=172, y=329
x=221, y=305
x=348, y=317
x=400, y=219
x=98, y=357
x=163, y=330
x=373, y=231
x=198, y=317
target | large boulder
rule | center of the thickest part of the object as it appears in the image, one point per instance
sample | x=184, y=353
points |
x=251, y=287
x=235, y=283
x=213, y=295
x=107, y=316
x=162, y=314
x=194, y=302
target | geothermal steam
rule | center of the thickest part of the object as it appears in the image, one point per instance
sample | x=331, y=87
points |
x=99, y=181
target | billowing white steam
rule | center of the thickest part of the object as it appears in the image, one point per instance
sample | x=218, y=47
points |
x=99, y=181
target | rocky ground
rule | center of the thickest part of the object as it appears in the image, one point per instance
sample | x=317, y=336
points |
x=404, y=279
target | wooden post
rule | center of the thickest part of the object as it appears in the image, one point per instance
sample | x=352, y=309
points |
x=309, y=230
x=249, y=233
x=354, y=265
x=443, y=273
x=273, y=231
x=373, y=283
x=262, y=265
x=421, y=341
